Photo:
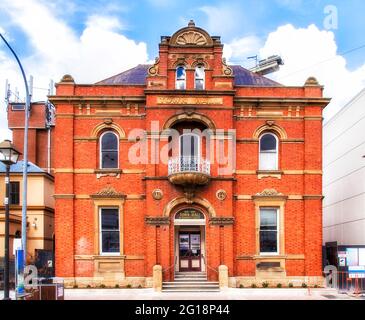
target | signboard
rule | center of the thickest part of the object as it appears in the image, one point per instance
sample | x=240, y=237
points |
x=19, y=272
x=17, y=245
x=341, y=254
x=342, y=262
x=189, y=214
x=356, y=271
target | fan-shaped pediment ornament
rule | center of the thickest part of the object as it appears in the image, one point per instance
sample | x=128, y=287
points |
x=191, y=38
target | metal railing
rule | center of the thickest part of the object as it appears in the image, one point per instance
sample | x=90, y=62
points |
x=208, y=266
x=188, y=164
x=172, y=266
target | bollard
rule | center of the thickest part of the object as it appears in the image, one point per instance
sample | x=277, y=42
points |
x=223, y=276
x=157, y=277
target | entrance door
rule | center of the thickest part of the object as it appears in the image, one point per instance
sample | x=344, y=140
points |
x=189, y=251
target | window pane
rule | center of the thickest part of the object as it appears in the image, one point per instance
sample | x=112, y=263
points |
x=268, y=143
x=110, y=219
x=109, y=159
x=268, y=161
x=14, y=192
x=110, y=241
x=189, y=145
x=199, y=84
x=109, y=142
x=268, y=241
x=268, y=217
x=180, y=73
x=268, y=230
x=352, y=256
x=180, y=84
x=199, y=72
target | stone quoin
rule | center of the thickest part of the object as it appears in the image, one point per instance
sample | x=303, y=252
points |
x=258, y=212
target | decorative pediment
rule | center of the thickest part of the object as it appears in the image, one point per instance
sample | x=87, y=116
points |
x=191, y=36
x=269, y=194
x=108, y=192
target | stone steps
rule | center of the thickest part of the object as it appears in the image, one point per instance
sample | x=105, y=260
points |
x=190, y=282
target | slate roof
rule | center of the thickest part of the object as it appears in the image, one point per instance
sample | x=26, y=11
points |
x=137, y=76
x=244, y=77
x=18, y=167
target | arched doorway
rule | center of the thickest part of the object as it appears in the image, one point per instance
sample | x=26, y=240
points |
x=189, y=244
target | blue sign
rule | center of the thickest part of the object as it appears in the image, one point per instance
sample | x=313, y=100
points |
x=19, y=272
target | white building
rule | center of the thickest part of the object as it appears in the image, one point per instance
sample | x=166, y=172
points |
x=344, y=184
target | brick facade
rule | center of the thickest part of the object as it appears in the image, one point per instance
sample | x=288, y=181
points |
x=147, y=231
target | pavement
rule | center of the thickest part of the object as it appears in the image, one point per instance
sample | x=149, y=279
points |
x=226, y=294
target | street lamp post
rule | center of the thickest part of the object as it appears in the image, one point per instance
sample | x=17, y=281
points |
x=25, y=151
x=8, y=155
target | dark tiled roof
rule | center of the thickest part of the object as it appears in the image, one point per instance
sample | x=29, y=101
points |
x=244, y=77
x=137, y=76
x=18, y=167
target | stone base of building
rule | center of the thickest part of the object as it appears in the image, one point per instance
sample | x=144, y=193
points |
x=233, y=282
x=101, y=282
x=287, y=281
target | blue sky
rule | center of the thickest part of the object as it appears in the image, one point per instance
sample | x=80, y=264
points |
x=95, y=39
x=146, y=20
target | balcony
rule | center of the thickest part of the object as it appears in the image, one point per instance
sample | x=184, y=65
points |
x=187, y=171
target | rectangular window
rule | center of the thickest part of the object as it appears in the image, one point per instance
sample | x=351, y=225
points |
x=269, y=227
x=14, y=192
x=109, y=231
x=17, y=106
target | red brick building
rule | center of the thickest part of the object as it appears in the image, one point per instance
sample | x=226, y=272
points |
x=243, y=190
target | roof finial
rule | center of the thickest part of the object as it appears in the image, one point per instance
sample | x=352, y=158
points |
x=191, y=23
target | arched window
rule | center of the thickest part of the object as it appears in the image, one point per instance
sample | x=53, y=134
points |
x=268, y=159
x=180, y=78
x=199, y=77
x=189, y=145
x=189, y=152
x=109, y=149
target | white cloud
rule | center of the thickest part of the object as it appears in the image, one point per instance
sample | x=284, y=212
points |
x=238, y=50
x=100, y=51
x=313, y=52
x=222, y=20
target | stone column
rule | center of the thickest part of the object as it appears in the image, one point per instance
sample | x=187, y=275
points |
x=223, y=276
x=157, y=277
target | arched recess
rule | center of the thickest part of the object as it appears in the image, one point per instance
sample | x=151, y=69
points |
x=107, y=126
x=279, y=131
x=170, y=207
x=189, y=117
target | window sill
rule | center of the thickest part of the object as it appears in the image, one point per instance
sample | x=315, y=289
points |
x=269, y=173
x=108, y=172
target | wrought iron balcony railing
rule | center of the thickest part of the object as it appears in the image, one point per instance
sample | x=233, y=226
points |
x=188, y=164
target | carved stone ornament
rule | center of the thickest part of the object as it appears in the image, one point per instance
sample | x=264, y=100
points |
x=67, y=78
x=157, y=194
x=221, y=221
x=269, y=193
x=191, y=38
x=221, y=194
x=108, y=192
x=157, y=220
x=311, y=81
x=153, y=70
x=227, y=71
x=108, y=121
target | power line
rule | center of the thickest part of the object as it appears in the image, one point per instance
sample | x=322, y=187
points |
x=323, y=61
